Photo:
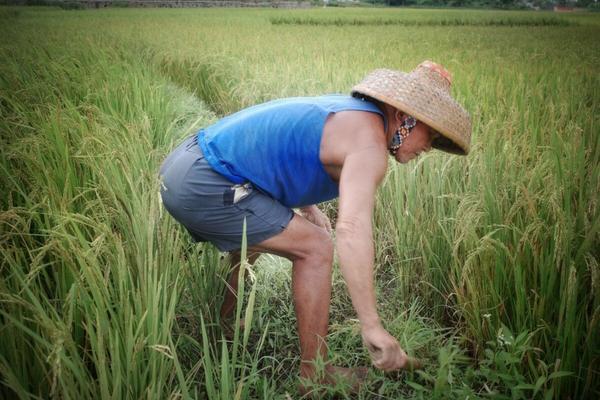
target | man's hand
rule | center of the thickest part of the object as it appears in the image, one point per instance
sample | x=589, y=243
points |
x=316, y=216
x=385, y=351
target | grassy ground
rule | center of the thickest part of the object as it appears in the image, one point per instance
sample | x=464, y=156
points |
x=487, y=266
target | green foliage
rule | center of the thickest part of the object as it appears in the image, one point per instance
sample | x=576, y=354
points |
x=83, y=303
x=509, y=22
x=595, y=6
x=70, y=5
x=498, y=375
x=487, y=265
x=213, y=82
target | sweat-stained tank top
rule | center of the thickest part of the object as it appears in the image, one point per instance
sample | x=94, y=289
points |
x=276, y=146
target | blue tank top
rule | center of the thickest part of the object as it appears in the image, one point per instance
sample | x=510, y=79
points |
x=276, y=146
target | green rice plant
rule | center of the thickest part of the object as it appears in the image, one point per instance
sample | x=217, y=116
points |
x=502, y=254
x=419, y=22
x=95, y=271
x=102, y=295
x=90, y=284
x=231, y=370
x=211, y=81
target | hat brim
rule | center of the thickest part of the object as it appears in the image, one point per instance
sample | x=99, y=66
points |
x=449, y=141
x=444, y=144
x=429, y=103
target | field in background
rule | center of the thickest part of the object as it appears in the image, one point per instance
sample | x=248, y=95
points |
x=487, y=266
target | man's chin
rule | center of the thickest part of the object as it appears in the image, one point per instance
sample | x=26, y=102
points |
x=405, y=159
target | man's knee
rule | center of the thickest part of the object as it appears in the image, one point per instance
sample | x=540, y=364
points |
x=301, y=240
x=320, y=248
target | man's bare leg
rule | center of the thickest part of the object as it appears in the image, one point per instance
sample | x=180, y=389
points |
x=230, y=299
x=311, y=285
x=310, y=249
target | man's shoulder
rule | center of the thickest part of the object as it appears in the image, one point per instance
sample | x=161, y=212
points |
x=354, y=122
x=352, y=132
x=358, y=129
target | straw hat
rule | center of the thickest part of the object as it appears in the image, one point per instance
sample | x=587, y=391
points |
x=423, y=93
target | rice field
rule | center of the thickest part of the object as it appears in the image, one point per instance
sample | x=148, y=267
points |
x=487, y=266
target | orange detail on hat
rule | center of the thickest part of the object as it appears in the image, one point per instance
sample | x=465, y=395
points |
x=439, y=69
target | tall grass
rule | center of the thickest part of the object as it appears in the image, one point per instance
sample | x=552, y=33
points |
x=90, y=272
x=487, y=265
x=102, y=294
x=508, y=22
x=521, y=247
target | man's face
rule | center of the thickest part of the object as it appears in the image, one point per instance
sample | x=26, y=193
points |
x=417, y=142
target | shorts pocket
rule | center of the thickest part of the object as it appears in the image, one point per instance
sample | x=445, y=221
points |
x=266, y=209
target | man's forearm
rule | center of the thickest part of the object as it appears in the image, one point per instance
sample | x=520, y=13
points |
x=356, y=252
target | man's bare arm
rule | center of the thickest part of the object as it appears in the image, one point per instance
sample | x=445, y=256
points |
x=361, y=174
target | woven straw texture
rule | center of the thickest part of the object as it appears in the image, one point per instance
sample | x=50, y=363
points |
x=424, y=94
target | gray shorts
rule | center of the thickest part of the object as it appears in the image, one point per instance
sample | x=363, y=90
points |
x=211, y=207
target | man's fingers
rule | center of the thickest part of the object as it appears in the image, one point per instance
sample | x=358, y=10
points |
x=378, y=356
x=400, y=360
x=384, y=365
x=385, y=360
x=391, y=359
x=388, y=356
x=397, y=357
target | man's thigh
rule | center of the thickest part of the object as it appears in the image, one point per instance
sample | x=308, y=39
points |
x=300, y=239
